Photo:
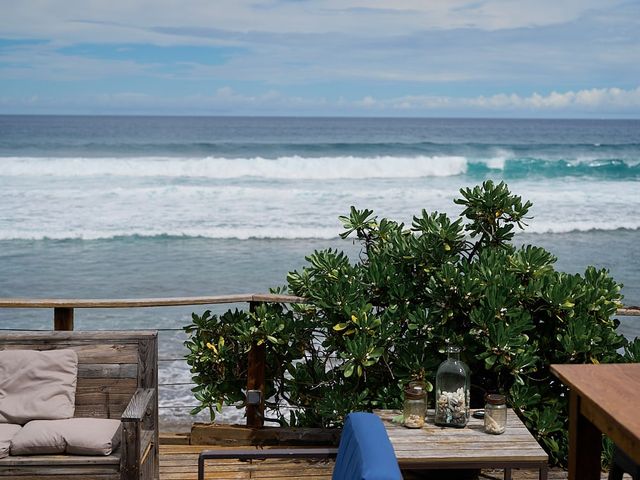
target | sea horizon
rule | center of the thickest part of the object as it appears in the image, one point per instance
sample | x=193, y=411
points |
x=577, y=117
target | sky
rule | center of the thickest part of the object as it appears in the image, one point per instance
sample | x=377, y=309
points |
x=478, y=58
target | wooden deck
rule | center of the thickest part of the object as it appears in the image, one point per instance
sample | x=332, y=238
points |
x=180, y=462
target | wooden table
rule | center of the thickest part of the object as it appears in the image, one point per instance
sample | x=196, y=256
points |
x=433, y=447
x=603, y=399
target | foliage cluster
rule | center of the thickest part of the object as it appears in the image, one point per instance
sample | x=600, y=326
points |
x=373, y=325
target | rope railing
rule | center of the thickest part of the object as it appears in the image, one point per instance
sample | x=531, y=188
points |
x=63, y=319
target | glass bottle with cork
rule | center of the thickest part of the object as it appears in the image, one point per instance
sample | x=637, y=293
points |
x=452, y=390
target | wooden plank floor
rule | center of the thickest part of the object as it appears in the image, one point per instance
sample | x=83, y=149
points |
x=180, y=462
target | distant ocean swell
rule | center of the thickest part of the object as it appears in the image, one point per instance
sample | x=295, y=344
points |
x=271, y=150
x=323, y=168
x=247, y=234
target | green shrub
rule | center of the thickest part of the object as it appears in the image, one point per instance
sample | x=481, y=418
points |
x=373, y=325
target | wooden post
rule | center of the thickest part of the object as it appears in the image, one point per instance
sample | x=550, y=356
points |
x=585, y=443
x=255, y=380
x=63, y=318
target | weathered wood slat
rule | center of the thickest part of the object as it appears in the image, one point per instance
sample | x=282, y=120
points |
x=148, y=379
x=148, y=360
x=629, y=311
x=90, y=353
x=208, y=434
x=103, y=398
x=85, y=470
x=55, y=338
x=99, y=411
x=144, y=302
x=138, y=405
x=39, y=460
x=131, y=450
x=472, y=455
x=107, y=370
x=42, y=476
x=112, y=385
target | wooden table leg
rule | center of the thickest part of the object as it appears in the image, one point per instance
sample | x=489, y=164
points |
x=507, y=474
x=585, y=443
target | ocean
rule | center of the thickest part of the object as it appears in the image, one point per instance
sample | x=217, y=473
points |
x=128, y=207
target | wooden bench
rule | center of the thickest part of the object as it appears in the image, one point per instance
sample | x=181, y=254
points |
x=117, y=378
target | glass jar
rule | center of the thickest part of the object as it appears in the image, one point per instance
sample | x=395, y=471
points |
x=452, y=391
x=415, y=405
x=495, y=414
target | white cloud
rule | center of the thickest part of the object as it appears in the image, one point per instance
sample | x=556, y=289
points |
x=225, y=100
x=603, y=100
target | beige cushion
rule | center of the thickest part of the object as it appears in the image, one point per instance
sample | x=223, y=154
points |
x=77, y=436
x=7, y=432
x=92, y=436
x=37, y=385
x=39, y=437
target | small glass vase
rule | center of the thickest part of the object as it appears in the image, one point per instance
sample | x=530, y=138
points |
x=452, y=391
x=495, y=414
x=415, y=405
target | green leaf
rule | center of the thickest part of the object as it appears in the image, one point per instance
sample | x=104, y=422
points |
x=348, y=370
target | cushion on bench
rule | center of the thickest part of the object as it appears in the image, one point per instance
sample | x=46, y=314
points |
x=37, y=385
x=78, y=436
x=7, y=432
x=39, y=437
x=92, y=436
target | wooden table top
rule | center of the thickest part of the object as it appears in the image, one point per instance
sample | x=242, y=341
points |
x=612, y=394
x=433, y=446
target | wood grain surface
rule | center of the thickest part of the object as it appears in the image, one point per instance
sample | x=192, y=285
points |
x=433, y=446
x=608, y=396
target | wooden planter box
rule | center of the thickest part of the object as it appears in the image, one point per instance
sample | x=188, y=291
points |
x=236, y=435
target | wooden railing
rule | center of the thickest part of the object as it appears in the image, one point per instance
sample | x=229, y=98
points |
x=63, y=314
x=63, y=309
x=629, y=311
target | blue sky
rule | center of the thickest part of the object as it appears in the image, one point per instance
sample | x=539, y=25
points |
x=504, y=58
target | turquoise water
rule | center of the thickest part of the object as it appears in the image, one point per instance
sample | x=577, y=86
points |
x=112, y=207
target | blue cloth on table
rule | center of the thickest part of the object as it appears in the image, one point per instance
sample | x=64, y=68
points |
x=365, y=452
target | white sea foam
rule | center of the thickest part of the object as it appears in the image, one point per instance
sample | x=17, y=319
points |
x=83, y=199
x=293, y=210
x=496, y=163
x=293, y=167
